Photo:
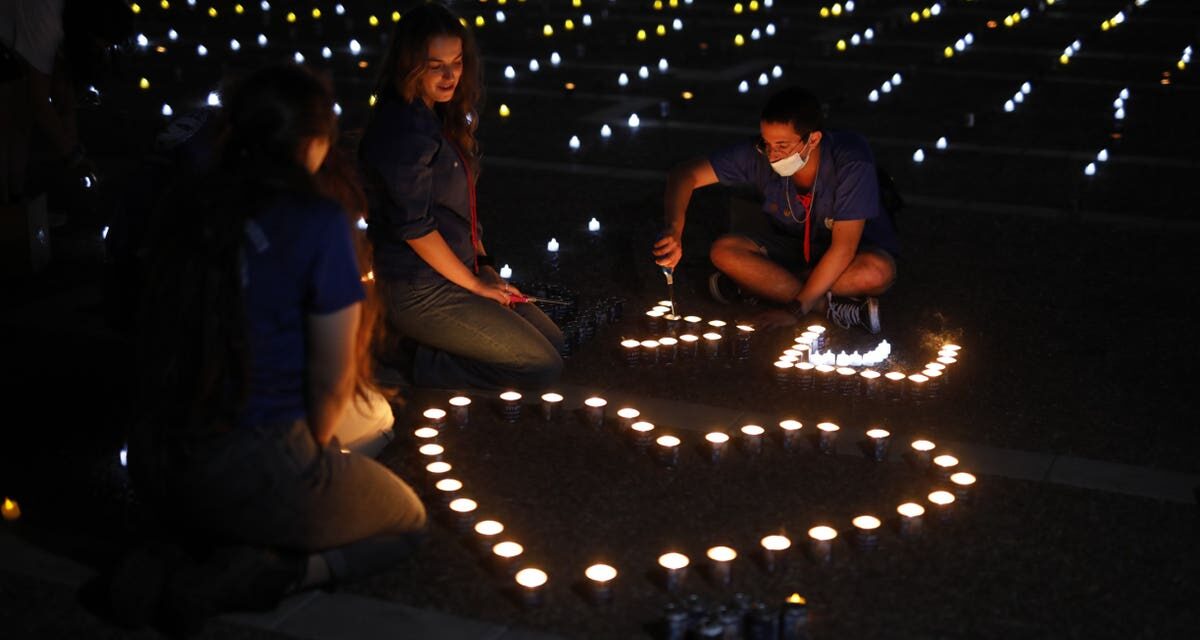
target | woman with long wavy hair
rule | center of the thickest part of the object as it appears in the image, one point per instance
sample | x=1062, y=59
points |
x=248, y=347
x=458, y=321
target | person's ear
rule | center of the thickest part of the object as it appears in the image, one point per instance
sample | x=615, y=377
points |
x=814, y=138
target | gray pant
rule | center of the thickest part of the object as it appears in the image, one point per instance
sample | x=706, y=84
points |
x=276, y=487
x=465, y=340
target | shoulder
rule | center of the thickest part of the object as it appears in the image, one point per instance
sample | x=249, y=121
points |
x=398, y=129
x=848, y=146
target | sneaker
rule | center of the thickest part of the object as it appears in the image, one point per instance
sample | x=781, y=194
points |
x=724, y=290
x=853, y=312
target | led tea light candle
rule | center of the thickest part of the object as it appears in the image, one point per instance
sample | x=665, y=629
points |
x=460, y=409
x=848, y=380
x=827, y=437
x=752, y=439
x=783, y=373
x=600, y=578
x=668, y=450
x=464, y=513
x=650, y=352
x=486, y=534
x=712, y=345
x=593, y=411
x=741, y=344
x=717, y=442
x=804, y=375
x=880, y=440
x=819, y=331
x=10, y=510
x=668, y=349
x=551, y=405
x=435, y=417
x=826, y=375
x=674, y=565
x=963, y=482
x=921, y=452
x=626, y=416
x=810, y=338
x=533, y=583
x=631, y=350
x=945, y=465
x=866, y=532
x=688, y=345
x=721, y=564
x=821, y=543
x=791, y=434
x=774, y=547
x=510, y=406
x=431, y=452
x=911, y=519
x=642, y=433
x=506, y=555
x=943, y=504
x=895, y=385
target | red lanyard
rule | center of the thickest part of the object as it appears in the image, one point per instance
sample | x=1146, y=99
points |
x=807, y=219
x=474, y=215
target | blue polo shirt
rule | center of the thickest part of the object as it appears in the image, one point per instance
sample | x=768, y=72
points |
x=847, y=188
x=299, y=260
x=415, y=184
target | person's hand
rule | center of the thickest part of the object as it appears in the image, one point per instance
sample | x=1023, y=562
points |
x=772, y=319
x=498, y=291
x=668, y=251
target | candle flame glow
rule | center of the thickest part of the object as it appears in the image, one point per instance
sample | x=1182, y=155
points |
x=878, y=433
x=595, y=402
x=531, y=578
x=449, y=485
x=776, y=543
x=488, y=527
x=827, y=426
x=463, y=505
x=721, y=554
x=673, y=560
x=552, y=397
x=867, y=522
x=963, y=479
x=790, y=425
x=431, y=450
x=942, y=498
x=438, y=467
x=600, y=573
x=434, y=414
x=822, y=533
x=923, y=445
x=460, y=401
x=945, y=461
x=910, y=510
x=642, y=427
x=668, y=441
x=629, y=413
x=510, y=396
x=508, y=549
x=716, y=437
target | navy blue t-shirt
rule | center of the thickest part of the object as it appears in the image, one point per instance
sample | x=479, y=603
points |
x=847, y=188
x=299, y=260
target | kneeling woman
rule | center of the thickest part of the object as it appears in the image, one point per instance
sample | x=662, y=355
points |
x=419, y=162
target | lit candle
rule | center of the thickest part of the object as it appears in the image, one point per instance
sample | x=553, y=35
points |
x=460, y=410
x=601, y=577
x=510, y=405
x=642, y=431
x=791, y=434
x=910, y=519
x=866, y=532
x=506, y=554
x=650, y=352
x=741, y=345
x=668, y=349
x=533, y=582
x=849, y=380
x=895, y=387
x=827, y=442
x=773, y=549
x=804, y=374
x=783, y=372
x=752, y=437
x=793, y=618
x=945, y=464
x=551, y=405
x=432, y=452
x=426, y=434
x=943, y=502
x=917, y=383
x=963, y=482
x=721, y=564
x=718, y=326
x=448, y=488
x=921, y=452
x=552, y=246
x=630, y=348
x=675, y=566
x=626, y=416
x=594, y=411
x=10, y=510
x=880, y=439
x=436, y=417
x=668, y=450
x=712, y=345
x=717, y=442
x=821, y=543
x=486, y=532
x=464, y=512
x=594, y=224
x=654, y=320
x=826, y=374
x=438, y=468
x=687, y=345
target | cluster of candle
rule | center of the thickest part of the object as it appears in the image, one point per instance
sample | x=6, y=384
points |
x=835, y=10
x=959, y=45
x=803, y=350
x=887, y=86
x=1010, y=105
x=896, y=386
x=508, y=555
x=932, y=11
x=684, y=337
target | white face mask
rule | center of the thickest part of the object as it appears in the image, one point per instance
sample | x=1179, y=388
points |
x=790, y=165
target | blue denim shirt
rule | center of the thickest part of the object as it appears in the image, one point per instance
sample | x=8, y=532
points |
x=416, y=184
x=847, y=188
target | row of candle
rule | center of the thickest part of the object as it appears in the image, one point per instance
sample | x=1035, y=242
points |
x=507, y=553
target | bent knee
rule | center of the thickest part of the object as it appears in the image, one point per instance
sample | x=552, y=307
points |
x=728, y=249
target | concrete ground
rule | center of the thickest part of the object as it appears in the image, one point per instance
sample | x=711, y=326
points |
x=1067, y=292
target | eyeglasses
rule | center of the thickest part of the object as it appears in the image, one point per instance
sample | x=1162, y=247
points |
x=783, y=149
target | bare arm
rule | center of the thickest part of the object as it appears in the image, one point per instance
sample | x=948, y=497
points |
x=681, y=182
x=331, y=368
x=434, y=251
x=846, y=234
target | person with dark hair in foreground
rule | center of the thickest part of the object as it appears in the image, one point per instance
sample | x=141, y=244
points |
x=456, y=316
x=831, y=246
x=248, y=359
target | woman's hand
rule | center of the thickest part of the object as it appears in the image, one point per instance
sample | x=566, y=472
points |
x=498, y=291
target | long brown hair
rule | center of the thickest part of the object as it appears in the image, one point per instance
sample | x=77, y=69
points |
x=406, y=61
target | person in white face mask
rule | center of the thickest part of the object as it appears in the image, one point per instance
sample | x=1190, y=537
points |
x=830, y=247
